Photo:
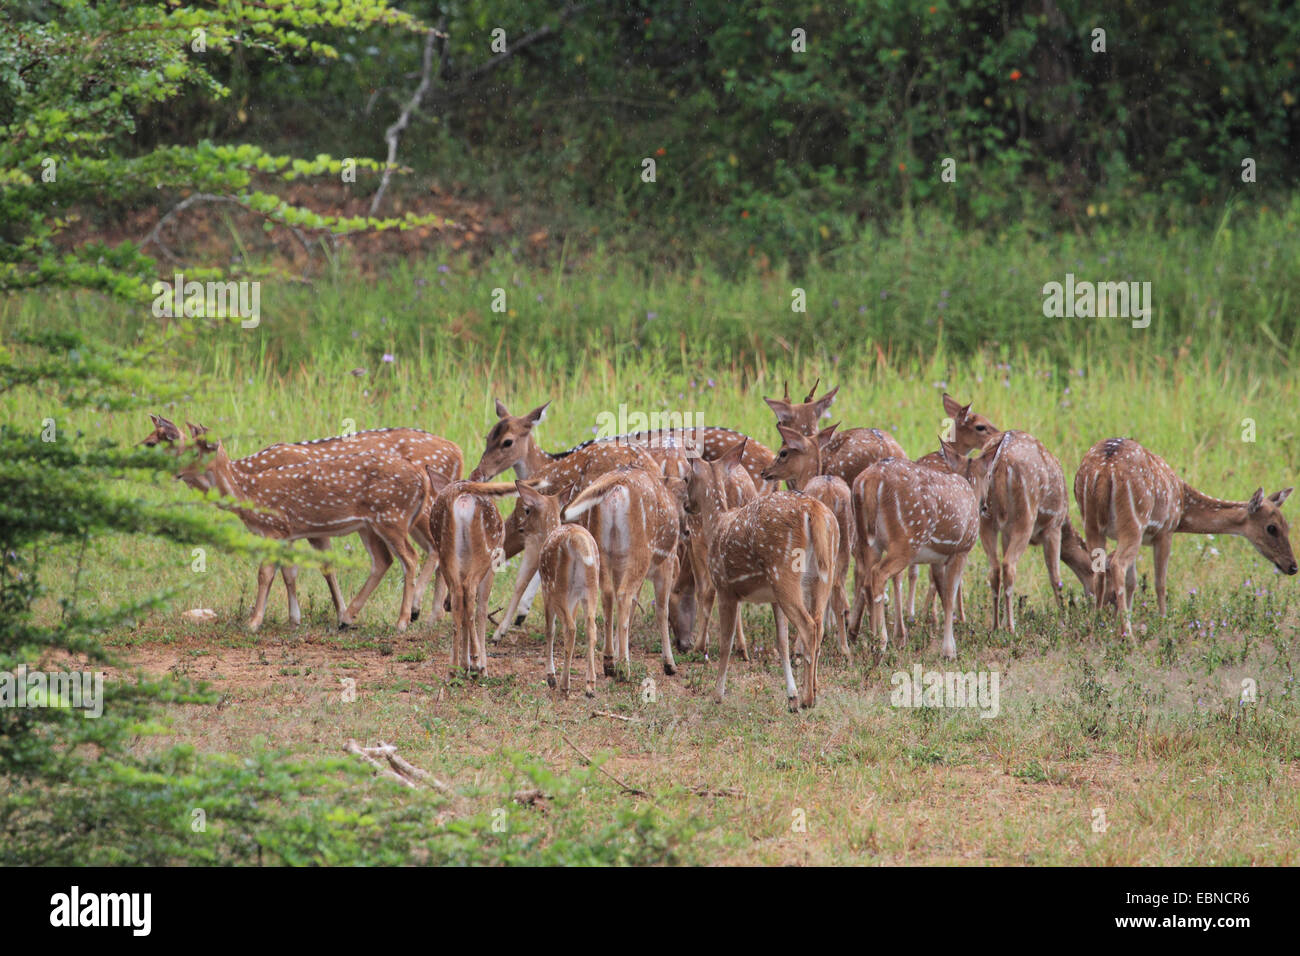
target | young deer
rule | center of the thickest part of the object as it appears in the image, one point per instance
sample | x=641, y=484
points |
x=633, y=517
x=570, y=570
x=849, y=451
x=510, y=444
x=967, y=432
x=909, y=514
x=1127, y=493
x=779, y=549
x=380, y=494
x=1025, y=503
x=799, y=462
x=468, y=528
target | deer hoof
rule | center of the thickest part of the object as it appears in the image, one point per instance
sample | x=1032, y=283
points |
x=344, y=625
x=609, y=667
x=550, y=681
x=589, y=693
x=520, y=618
x=415, y=614
x=793, y=704
x=670, y=669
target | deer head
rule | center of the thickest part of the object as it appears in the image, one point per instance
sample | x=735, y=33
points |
x=508, y=443
x=970, y=431
x=800, y=457
x=802, y=416
x=1267, y=530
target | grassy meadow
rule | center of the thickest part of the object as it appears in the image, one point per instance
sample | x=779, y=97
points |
x=1102, y=752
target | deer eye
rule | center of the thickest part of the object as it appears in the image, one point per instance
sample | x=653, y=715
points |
x=783, y=453
x=1272, y=529
x=507, y=443
x=979, y=428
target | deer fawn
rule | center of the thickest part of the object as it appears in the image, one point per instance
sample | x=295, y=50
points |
x=907, y=514
x=1127, y=493
x=849, y=451
x=632, y=515
x=510, y=444
x=779, y=549
x=799, y=462
x=570, y=571
x=468, y=528
x=321, y=499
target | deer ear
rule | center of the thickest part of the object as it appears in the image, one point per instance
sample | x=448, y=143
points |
x=791, y=436
x=735, y=454
x=952, y=407
x=538, y=413
x=502, y=411
x=824, y=402
x=157, y=422
x=781, y=408
x=826, y=433
x=1256, y=500
x=1280, y=496
x=437, y=479
x=951, y=456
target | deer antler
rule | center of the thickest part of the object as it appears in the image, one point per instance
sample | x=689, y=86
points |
x=813, y=391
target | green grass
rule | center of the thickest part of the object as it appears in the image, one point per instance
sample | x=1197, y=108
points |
x=1152, y=733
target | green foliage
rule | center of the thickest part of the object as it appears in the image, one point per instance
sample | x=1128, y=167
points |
x=73, y=86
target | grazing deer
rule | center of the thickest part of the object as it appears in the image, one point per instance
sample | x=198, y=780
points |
x=1025, y=503
x=849, y=451
x=418, y=447
x=907, y=514
x=1127, y=493
x=468, y=528
x=510, y=444
x=799, y=462
x=570, y=570
x=632, y=515
x=779, y=549
x=325, y=498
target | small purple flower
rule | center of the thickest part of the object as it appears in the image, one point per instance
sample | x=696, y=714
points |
x=884, y=295
x=712, y=383
x=539, y=298
x=444, y=268
x=652, y=315
x=388, y=357
x=943, y=293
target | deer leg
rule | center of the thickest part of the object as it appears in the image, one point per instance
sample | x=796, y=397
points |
x=265, y=575
x=900, y=628
x=290, y=574
x=949, y=580
x=380, y=560
x=839, y=607
x=590, y=603
x=1052, y=558
x=1095, y=541
x=395, y=538
x=1015, y=542
x=808, y=641
x=705, y=595
x=912, y=574
x=457, y=619
x=526, y=604
x=523, y=581
x=331, y=580
x=1125, y=555
x=549, y=613
x=607, y=628
x=662, y=578
x=480, y=620
x=989, y=542
x=570, y=636
x=887, y=568
x=423, y=536
x=727, y=617
x=1160, y=549
x=624, y=631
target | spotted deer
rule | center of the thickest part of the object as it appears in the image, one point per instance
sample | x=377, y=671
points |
x=1024, y=503
x=569, y=564
x=779, y=549
x=965, y=430
x=324, y=498
x=1128, y=493
x=510, y=444
x=907, y=514
x=632, y=515
x=850, y=450
x=738, y=489
x=799, y=463
x=468, y=528
x=421, y=448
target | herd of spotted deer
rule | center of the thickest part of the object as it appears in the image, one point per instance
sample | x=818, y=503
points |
x=705, y=521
